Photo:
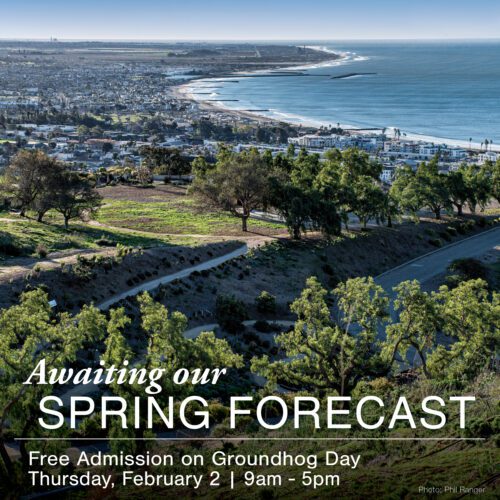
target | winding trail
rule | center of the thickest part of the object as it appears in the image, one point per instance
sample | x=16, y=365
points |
x=422, y=268
x=183, y=273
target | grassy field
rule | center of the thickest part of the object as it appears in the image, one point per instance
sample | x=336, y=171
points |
x=129, y=216
x=181, y=217
x=27, y=235
x=166, y=209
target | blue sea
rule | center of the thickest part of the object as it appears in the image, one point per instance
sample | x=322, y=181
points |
x=431, y=90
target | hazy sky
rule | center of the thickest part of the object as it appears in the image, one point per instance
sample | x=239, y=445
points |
x=249, y=19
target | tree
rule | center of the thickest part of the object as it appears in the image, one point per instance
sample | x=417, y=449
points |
x=75, y=196
x=481, y=185
x=433, y=187
x=454, y=332
x=144, y=175
x=302, y=208
x=48, y=180
x=30, y=335
x=329, y=183
x=417, y=325
x=495, y=179
x=350, y=180
x=368, y=199
x=238, y=183
x=459, y=189
x=82, y=131
x=200, y=166
x=328, y=353
x=294, y=204
x=355, y=163
x=405, y=191
x=168, y=349
x=305, y=169
x=165, y=161
x=283, y=163
x=230, y=313
x=389, y=209
x=23, y=178
x=470, y=319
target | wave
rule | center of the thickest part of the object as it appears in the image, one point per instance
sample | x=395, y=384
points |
x=322, y=48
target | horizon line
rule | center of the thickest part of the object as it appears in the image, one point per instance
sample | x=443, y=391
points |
x=228, y=40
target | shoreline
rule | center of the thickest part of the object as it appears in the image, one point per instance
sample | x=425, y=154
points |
x=182, y=91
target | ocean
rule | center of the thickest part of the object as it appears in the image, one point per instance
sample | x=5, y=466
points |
x=446, y=91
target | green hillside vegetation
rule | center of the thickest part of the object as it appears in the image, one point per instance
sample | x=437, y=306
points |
x=22, y=238
x=182, y=216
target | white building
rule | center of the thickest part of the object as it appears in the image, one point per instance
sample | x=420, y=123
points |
x=487, y=156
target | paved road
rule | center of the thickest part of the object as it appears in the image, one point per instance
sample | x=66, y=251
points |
x=430, y=265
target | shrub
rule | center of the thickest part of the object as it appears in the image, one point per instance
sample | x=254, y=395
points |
x=218, y=412
x=466, y=226
x=8, y=246
x=266, y=303
x=68, y=242
x=41, y=251
x=263, y=326
x=482, y=222
x=453, y=280
x=230, y=313
x=123, y=250
x=468, y=269
x=380, y=387
x=452, y=231
x=436, y=242
x=82, y=270
x=105, y=242
x=328, y=269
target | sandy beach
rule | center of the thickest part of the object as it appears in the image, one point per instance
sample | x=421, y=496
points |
x=185, y=91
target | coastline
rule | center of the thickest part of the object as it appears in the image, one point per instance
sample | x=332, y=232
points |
x=184, y=91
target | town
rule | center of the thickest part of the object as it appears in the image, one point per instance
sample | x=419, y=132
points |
x=101, y=115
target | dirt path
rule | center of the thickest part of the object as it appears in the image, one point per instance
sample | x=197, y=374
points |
x=183, y=273
x=252, y=239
